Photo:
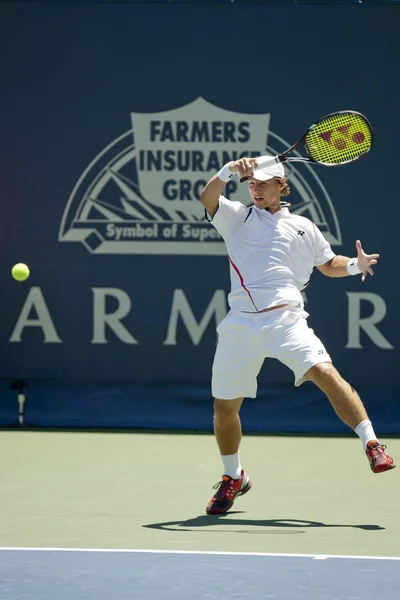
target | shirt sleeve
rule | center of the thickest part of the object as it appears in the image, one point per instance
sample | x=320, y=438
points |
x=230, y=216
x=323, y=250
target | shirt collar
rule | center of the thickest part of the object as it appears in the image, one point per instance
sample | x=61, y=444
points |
x=283, y=212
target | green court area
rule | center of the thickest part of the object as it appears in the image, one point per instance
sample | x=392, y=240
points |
x=149, y=491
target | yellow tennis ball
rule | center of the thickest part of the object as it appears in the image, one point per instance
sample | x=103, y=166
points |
x=20, y=272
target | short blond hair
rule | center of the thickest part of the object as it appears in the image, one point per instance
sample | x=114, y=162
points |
x=285, y=189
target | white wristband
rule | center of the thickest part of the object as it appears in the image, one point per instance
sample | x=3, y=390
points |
x=225, y=173
x=352, y=267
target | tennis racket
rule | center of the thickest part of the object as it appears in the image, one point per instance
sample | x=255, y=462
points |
x=337, y=139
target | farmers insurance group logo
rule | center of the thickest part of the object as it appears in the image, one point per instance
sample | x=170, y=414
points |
x=140, y=194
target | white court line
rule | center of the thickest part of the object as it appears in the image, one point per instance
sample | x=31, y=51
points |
x=201, y=552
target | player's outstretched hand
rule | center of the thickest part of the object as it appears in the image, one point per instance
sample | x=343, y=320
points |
x=243, y=166
x=365, y=261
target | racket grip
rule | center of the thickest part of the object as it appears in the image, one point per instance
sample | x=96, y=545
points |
x=266, y=161
x=263, y=161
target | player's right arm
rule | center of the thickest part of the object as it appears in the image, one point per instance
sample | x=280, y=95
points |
x=209, y=197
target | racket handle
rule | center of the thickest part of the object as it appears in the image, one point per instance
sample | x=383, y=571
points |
x=264, y=161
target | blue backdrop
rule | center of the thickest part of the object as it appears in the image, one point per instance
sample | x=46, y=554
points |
x=112, y=115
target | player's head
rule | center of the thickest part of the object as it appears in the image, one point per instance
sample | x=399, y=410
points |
x=268, y=185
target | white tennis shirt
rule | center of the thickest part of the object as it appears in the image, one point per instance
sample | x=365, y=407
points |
x=271, y=255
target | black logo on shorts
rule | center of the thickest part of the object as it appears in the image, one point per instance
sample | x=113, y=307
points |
x=300, y=232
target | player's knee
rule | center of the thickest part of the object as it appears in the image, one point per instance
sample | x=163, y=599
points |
x=329, y=380
x=226, y=408
x=323, y=373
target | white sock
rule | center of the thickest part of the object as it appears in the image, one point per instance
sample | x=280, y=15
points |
x=365, y=432
x=232, y=466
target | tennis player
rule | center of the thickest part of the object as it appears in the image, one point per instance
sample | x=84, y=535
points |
x=272, y=254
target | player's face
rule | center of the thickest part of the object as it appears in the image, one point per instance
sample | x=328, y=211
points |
x=265, y=193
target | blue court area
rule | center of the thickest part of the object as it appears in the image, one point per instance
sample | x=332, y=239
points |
x=149, y=575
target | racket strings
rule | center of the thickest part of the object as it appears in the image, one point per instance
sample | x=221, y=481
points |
x=339, y=138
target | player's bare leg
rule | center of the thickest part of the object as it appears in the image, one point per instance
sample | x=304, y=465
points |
x=344, y=399
x=227, y=426
x=350, y=409
x=228, y=433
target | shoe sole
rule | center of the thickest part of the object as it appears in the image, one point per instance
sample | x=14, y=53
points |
x=383, y=468
x=241, y=492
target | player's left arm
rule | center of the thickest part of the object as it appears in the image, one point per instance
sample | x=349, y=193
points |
x=343, y=266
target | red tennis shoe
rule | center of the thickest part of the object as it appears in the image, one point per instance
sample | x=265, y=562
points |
x=379, y=461
x=228, y=490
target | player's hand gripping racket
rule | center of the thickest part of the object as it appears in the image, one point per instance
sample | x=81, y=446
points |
x=337, y=139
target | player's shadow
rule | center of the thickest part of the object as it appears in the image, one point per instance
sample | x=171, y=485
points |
x=284, y=525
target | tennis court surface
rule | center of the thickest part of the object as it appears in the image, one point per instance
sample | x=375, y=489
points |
x=104, y=515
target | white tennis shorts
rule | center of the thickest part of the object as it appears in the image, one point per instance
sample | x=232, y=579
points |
x=245, y=340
